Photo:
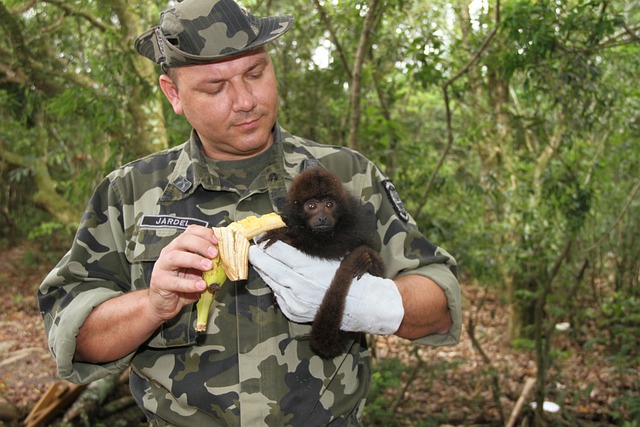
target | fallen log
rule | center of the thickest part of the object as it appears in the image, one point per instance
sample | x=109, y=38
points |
x=8, y=412
x=116, y=406
x=131, y=416
x=88, y=404
x=59, y=396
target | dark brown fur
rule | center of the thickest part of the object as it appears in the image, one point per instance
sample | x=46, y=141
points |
x=339, y=231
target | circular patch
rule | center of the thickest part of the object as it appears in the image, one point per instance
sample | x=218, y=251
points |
x=395, y=200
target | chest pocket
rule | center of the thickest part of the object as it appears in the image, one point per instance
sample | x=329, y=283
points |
x=142, y=252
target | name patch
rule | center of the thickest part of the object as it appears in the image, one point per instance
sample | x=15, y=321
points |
x=170, y=221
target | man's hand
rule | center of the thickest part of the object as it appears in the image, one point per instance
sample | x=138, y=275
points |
x=120, y=325
x=176, y=279
x=299, y=282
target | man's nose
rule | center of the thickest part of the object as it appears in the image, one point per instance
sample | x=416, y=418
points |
x=244, y=98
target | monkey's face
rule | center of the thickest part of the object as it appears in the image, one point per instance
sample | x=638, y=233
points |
x=321, y=214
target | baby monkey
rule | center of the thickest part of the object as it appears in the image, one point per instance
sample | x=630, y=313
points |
x=324, y=221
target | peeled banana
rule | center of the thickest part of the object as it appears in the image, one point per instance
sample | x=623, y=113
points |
x=232, y=260
x=233, y=242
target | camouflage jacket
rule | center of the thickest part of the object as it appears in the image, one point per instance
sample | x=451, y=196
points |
x=252, y=366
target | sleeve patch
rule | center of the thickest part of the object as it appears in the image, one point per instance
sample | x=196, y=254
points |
x=395, y=200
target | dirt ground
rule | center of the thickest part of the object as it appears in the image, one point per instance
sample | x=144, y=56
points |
x=437, y=386
x=26, y=367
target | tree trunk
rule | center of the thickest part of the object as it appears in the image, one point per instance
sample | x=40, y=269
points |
x=45, y=195
x=356, y=77
x=149, y=129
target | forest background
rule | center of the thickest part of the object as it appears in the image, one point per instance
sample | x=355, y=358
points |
x=510, y=128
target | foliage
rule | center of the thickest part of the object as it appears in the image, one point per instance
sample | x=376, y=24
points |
x=387, y=375
x=540, y=154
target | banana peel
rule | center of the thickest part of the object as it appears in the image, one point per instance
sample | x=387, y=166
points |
x=214, y=278
x=232, y=261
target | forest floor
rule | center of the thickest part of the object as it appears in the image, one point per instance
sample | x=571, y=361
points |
x=414, y=386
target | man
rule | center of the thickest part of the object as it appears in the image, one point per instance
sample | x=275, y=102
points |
x=124, y=294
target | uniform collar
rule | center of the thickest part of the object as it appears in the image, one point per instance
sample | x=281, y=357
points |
x=191, y=169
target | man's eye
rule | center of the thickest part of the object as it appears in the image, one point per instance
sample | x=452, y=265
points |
x=216, y=90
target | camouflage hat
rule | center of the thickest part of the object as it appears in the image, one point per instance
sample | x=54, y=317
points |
x=204, y=31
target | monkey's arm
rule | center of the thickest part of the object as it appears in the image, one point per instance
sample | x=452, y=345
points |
x=272, y=236
x=299, y=283
x=426, y=308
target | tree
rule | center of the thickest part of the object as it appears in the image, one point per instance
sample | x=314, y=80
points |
x=88, y=102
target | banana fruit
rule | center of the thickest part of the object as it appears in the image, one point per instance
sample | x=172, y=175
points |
x=214, y=279
x=233, y=258
x=233, y=242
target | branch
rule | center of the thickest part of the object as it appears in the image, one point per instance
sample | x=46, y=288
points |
x=524, y=395
x=356, y=79
x=25, y=7
x=414, y=374
x=547, y=288
x=44, y=194
x=384, y=107
x=476, y=55
x=11, y=157
x=32, y=68
x=625, y=208
x=542, y=335
x=631, y=32
x=496, y=390
x=334, y=37
x=84, y=15
x=618, y=38
x=445, y=93
x=57, y=23
x=558, y=263
x=15, y=34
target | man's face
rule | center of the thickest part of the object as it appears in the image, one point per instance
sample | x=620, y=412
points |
x=231, y=104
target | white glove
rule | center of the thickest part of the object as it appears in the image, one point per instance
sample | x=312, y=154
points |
x=299, y=282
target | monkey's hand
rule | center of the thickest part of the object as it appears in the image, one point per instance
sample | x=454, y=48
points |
x=299, y=282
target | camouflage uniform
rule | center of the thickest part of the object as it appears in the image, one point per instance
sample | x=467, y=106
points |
x=252, y=366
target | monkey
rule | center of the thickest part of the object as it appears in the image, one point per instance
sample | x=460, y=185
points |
x=323, y=220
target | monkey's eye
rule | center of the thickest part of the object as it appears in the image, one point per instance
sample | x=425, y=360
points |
x=328, y=204
x=311, y=205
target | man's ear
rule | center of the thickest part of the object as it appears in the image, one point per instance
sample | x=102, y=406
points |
x=170, y=90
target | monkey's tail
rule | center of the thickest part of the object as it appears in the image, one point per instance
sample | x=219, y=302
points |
x=326, y=337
